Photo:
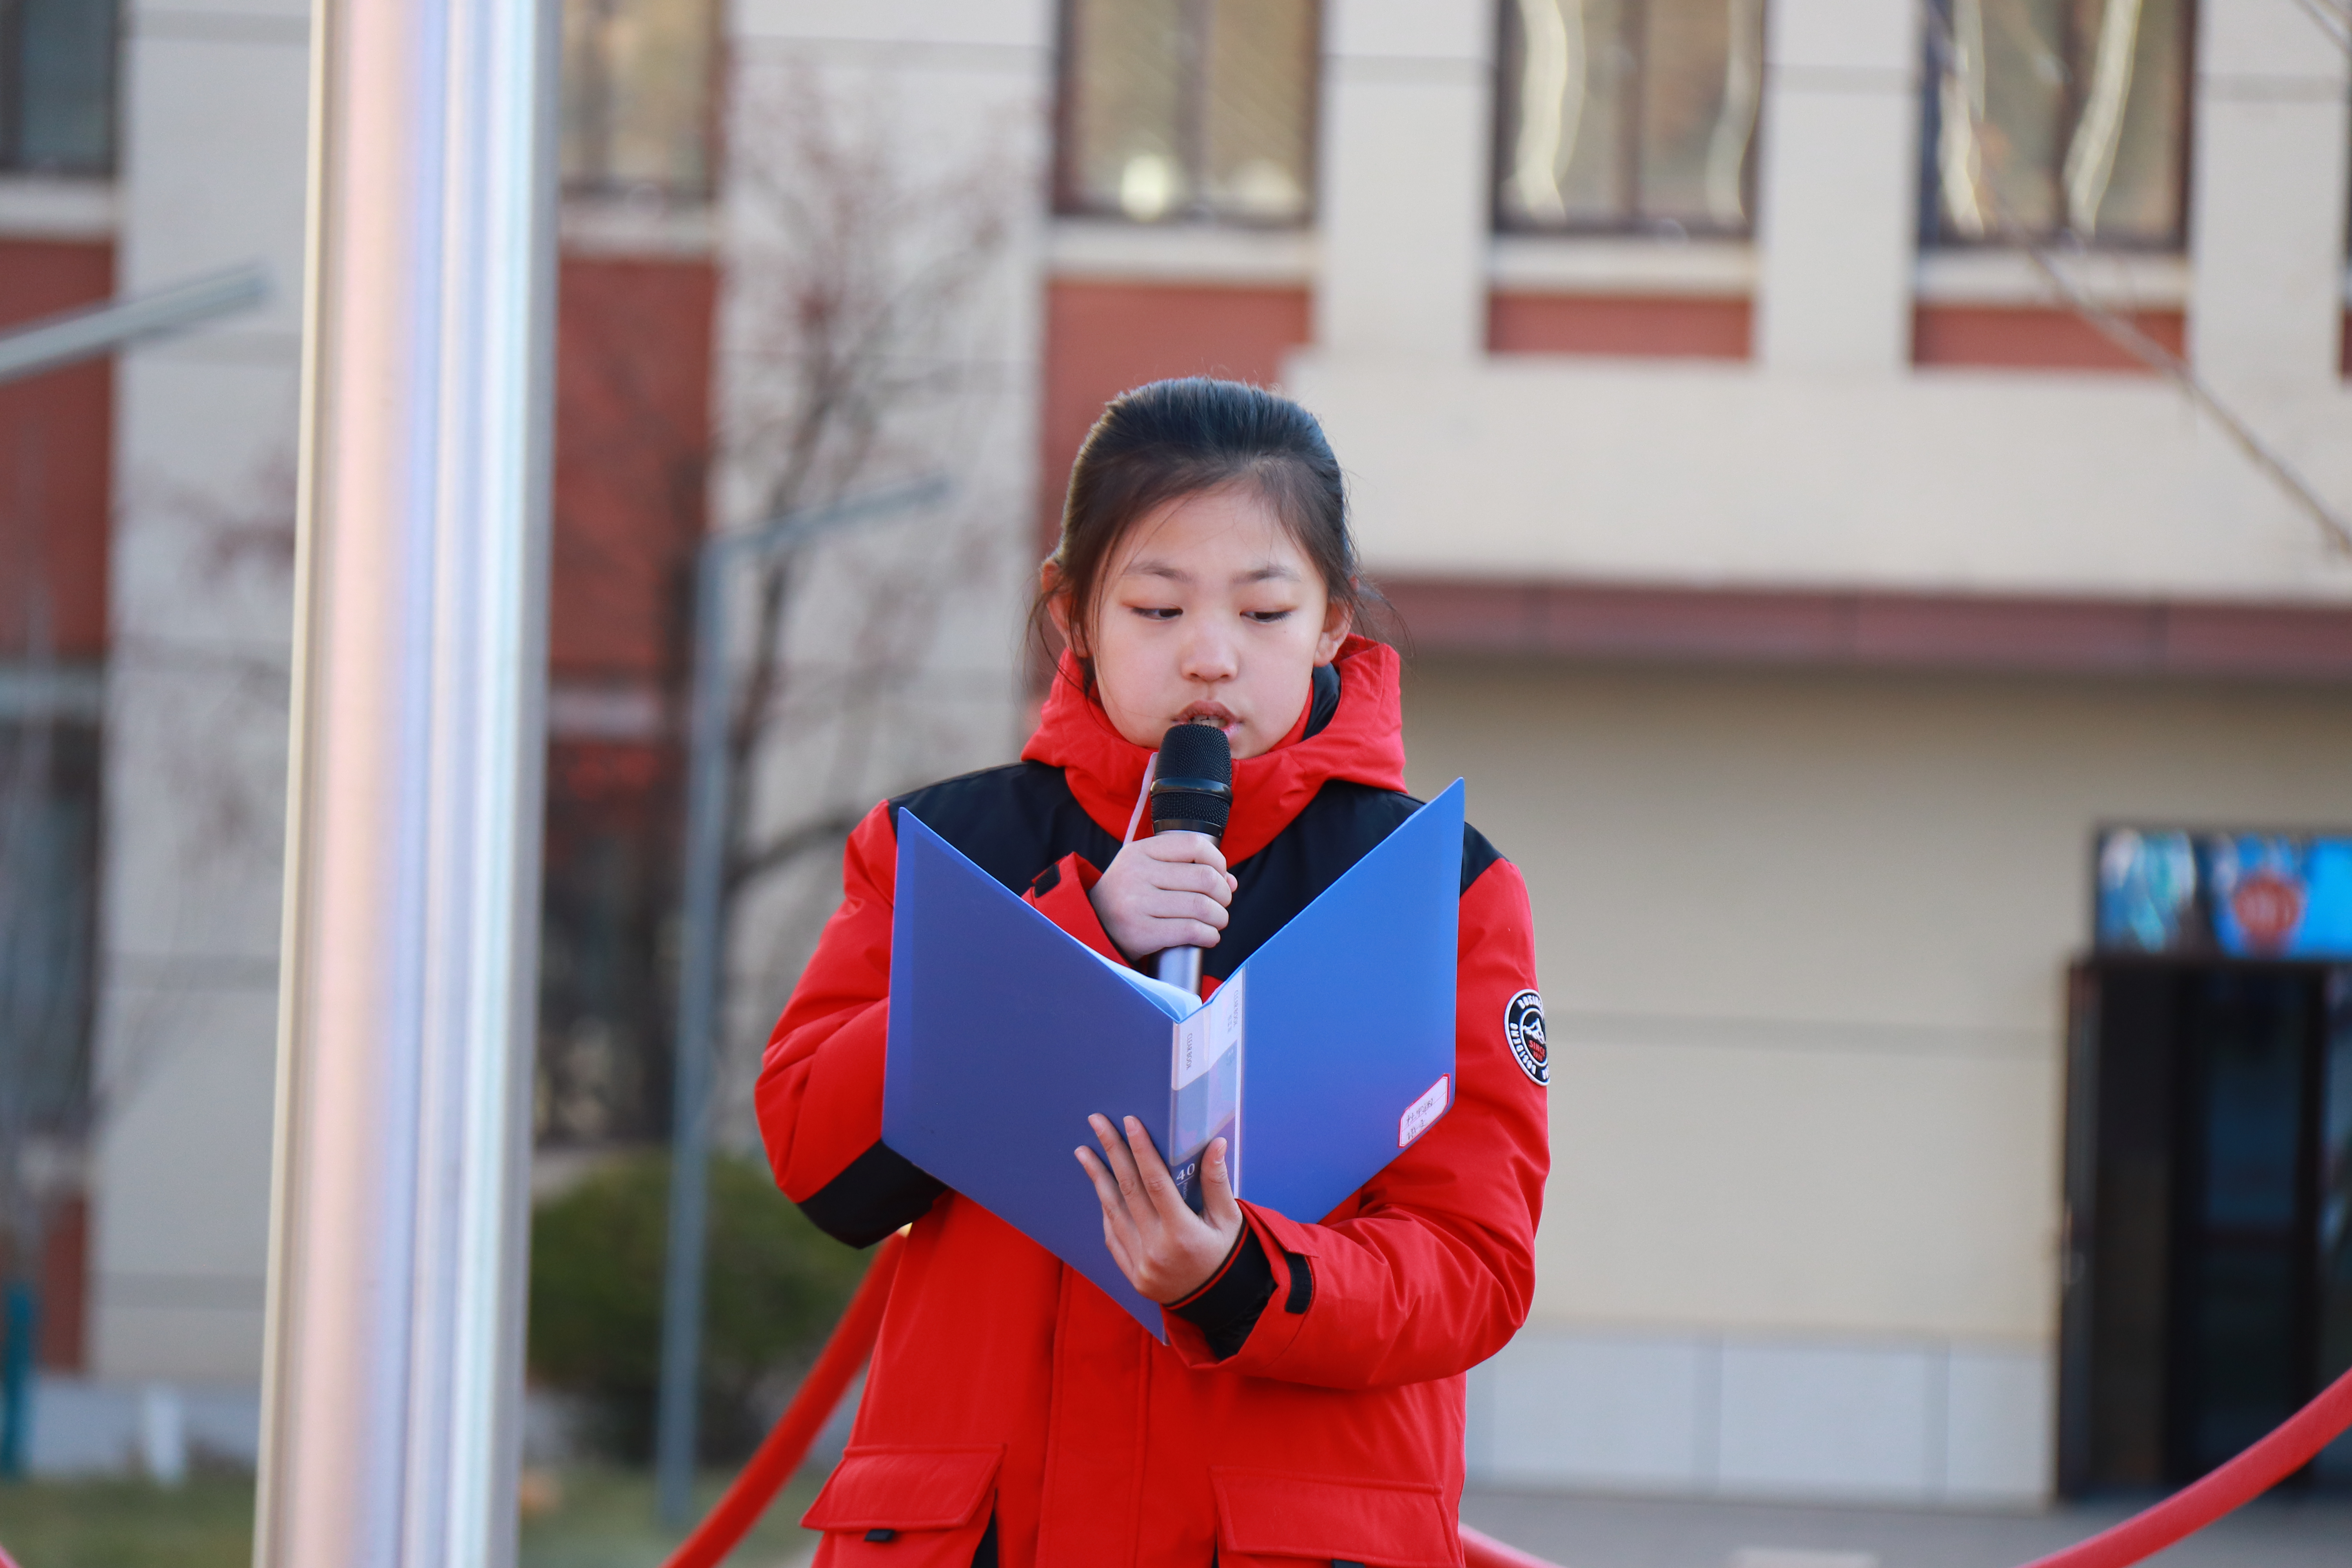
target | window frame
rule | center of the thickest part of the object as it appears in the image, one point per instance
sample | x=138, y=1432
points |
x=1631, y=142
x=12, y=99
x=1932, y=234
x=1195, y=212
x=603, y=185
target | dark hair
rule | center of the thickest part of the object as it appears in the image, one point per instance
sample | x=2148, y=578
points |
x=1168, y=440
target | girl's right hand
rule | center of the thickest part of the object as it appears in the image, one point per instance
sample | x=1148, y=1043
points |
x=1167, y=890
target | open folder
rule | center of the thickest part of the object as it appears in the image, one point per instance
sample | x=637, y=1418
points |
x=1320, y=1060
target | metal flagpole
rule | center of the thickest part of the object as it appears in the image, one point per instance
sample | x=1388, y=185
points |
x=392, y=1406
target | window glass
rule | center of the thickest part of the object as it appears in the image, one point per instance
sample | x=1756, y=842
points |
x=1199, y=110
x=604, y=1069
x=1125, y=121
x=2334, y=1461
x=1260, y=121
x=2061, y=116
x=49, y=882
x=1633, y=115
x=59, y=85
x=636, y=95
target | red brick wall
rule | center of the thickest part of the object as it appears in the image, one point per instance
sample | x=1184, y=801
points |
x=1644, y=326
x=1103, y=338
x=632, y=443
x=2042, y=338
x=65, y=1287
x=56, y=439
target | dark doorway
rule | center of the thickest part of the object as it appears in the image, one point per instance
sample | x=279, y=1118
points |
x=2208, y=1267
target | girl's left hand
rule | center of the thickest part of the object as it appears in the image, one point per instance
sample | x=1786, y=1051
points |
x=1166, y=1250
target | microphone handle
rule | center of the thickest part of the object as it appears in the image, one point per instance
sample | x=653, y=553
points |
x=1181, y=966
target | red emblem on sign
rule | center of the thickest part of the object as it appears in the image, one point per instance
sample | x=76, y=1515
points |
x=2268, y=907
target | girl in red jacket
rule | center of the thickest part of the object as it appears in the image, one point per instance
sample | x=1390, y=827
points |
x=1307, y=1405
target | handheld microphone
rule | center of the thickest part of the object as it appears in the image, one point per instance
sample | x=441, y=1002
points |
x=1191, y=792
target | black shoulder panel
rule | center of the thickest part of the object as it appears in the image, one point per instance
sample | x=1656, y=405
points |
x=1012, y=822
x=874, y=1195
x=1476, y=856
x=1336, y=829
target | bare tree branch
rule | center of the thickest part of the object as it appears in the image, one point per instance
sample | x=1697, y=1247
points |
x=863, y=271
x=758, y=860
x=2331, y=18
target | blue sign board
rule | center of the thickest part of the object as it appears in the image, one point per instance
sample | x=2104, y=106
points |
x=2239, y=895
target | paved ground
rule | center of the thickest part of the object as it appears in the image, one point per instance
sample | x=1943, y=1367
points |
x=1624, y=1532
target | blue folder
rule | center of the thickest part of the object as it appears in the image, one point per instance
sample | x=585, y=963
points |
x=1320, y=1059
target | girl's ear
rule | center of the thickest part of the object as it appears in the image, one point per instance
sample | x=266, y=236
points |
x=1338, y=622
x=1056, y=592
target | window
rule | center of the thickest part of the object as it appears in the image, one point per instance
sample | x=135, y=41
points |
x=56, y=86
x=1631, y=116
x=2058, y=117
x=636, y=95
x=1198, y=109
x=49, y=884
x=604, y=978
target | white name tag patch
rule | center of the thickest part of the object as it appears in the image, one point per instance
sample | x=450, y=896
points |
x=1421, y=1113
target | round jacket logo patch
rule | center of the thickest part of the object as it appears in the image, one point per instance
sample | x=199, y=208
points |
x=1522, y=1025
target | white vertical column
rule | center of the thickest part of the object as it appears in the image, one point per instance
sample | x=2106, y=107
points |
x=1837, y=199
x=211, y=122
x=392, y=1403
x=1407, y=125
x=2267, y=197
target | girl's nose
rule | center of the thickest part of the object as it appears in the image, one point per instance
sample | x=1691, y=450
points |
x=1209, y=656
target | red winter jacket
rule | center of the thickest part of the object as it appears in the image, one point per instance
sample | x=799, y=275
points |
x=1012, y=1412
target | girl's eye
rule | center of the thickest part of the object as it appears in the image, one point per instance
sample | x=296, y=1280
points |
x=1268, y=617
x=1155, y=611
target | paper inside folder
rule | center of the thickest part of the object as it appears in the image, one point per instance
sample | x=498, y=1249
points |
x=1173, y=999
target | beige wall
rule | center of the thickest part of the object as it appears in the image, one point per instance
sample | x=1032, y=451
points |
x=1802, y=939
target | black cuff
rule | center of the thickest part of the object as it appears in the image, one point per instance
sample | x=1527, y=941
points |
x=874, y=1195
x=1227, y=1308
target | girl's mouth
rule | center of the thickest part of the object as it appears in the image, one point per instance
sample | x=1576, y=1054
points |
x=1213, y=713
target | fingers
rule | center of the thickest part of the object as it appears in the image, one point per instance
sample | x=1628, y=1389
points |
x=1161, y=892
x=1172, y=849
x=1164, y=1249
x=1165, y=904
x=1158, y=1187
x=1189, y=921
x=1186, y=877
x=1138, y=1204
x=1218, y=1206
x=1119, y=1224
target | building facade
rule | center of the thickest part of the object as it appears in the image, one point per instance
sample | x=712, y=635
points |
x=1832, y=460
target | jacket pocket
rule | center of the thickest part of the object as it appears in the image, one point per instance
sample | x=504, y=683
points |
x=906, y=1507
x=1269, y=1519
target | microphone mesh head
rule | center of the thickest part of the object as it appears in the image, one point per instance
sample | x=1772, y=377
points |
x=1192, y=789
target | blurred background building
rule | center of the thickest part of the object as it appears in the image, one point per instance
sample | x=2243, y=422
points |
x=1922, y=723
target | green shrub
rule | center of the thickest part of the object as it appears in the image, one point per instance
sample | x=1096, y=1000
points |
x=772, y=1289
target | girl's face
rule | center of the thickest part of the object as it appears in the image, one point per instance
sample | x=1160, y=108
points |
x=1210, y=613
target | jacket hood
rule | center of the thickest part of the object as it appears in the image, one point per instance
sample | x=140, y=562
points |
x=1363, y=743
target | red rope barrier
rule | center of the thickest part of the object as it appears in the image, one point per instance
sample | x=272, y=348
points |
x=2243, y=1479
x=780, y=1453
